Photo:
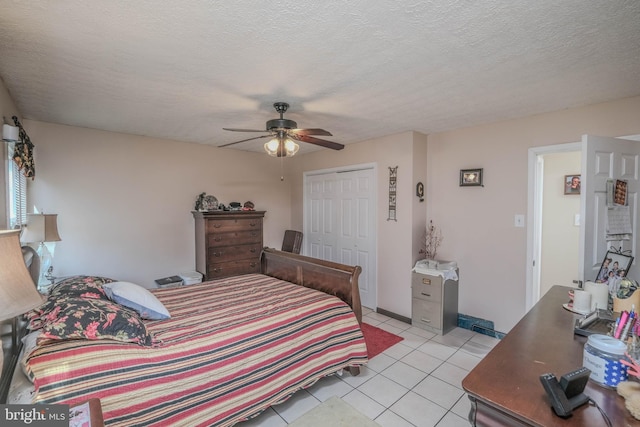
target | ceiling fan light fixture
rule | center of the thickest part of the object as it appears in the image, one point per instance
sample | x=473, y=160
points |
x=271, y=147
x=281, y=146
x=290, y=147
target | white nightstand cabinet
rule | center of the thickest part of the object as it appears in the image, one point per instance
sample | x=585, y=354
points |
x=434, y=303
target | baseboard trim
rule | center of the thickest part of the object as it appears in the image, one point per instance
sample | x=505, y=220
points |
x=393, y=315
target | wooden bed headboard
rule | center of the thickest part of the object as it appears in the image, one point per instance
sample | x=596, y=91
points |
x=326, y=276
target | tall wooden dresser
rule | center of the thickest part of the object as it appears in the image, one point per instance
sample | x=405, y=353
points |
x=228, y=243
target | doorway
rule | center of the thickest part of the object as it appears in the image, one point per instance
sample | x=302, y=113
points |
x=554, y=220
x=340, y=221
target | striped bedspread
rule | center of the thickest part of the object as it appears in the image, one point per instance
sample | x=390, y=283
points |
x=232, y=348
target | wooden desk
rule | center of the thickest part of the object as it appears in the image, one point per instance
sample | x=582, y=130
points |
x=504, y=388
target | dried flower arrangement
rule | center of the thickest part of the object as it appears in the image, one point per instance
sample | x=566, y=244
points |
x=432, y=240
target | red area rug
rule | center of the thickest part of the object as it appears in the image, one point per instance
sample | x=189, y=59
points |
x=378, y=340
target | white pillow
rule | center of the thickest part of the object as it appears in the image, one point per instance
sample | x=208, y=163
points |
x=137, y=298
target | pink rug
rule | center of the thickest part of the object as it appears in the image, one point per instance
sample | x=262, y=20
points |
x=378, y=340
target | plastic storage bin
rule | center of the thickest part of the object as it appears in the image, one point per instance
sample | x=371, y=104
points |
x=191, y=278
x=602, y=355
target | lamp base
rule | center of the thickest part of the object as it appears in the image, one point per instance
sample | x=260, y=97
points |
x=45, y=264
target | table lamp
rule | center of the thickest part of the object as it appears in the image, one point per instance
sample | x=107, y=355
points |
x=18, y=293
x=42, y=228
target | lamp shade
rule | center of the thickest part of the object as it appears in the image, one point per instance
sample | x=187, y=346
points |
x=41, y=228
x=18, y=293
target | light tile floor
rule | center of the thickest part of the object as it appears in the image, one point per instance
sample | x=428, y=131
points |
x=417, y=382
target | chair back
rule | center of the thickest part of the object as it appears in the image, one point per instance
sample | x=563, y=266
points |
x=292, y=241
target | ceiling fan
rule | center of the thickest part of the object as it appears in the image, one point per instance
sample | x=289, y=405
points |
x=283, y=132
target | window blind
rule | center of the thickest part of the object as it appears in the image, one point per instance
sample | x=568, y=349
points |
x=17, y=193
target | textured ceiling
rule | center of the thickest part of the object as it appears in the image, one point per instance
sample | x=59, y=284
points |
x=360, y=69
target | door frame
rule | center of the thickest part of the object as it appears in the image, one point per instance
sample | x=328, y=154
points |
x=534, y=215
x=373, y=196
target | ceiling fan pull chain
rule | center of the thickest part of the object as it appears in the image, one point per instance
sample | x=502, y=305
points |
x=281, y=168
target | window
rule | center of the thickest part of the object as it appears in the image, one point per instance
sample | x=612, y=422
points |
x=17, y=192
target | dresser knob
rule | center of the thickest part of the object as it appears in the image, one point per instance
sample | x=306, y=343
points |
x=217, y=269
x=426, y=295
x=253, y=264
x=218, y=254
x=253, y=224
x=217, y=225
x=217, y=239
x=253, y=250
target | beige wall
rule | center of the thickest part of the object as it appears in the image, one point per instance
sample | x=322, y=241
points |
x=560, y=236
x=397, y=240
x=124, y=201
x=478, y=222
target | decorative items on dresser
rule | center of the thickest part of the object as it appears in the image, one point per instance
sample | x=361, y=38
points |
x=228, y=243
x=434, y=296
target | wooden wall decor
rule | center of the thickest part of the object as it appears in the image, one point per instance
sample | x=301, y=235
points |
x=393, y=176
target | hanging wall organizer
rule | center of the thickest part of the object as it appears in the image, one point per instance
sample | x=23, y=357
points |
x=393, y=176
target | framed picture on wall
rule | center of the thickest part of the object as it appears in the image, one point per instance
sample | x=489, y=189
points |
x=572, y=184
x=470, y=177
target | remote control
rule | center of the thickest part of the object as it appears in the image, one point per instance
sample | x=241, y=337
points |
x=559, y=401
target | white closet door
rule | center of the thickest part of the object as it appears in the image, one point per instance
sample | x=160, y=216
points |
x=340, y=223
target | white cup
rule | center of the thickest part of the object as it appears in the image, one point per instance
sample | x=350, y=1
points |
x=581, y=301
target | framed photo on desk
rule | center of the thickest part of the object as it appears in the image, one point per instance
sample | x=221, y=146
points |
x=614, y=267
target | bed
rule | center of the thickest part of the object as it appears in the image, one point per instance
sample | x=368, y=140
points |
x=231, y=348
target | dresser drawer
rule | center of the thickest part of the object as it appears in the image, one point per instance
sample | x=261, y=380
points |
x=233, y=253
x=426, y=287
x=233, y=268
x=234, y=238
x=239, y=224
x=426, y=313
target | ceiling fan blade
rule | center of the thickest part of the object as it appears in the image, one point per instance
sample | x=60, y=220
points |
x=318, y=141
x=310, y=132
x=244, y=140
x=244, y=130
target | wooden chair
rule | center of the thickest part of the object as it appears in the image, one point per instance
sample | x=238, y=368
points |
x=292, y=241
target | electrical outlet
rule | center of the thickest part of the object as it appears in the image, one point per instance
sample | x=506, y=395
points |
x=519, y=220
x=576, y=220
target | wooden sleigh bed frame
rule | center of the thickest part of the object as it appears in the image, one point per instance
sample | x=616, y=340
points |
x=328, y=277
